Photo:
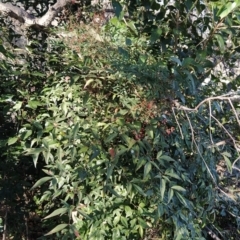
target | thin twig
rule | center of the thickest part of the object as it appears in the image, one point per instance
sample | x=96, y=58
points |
x=234, y=111
x=198, y=150
x=221, y=98
x=210, y=122
x=234, y=141
x=225, y=97
x=235, y=161
x=180, y=129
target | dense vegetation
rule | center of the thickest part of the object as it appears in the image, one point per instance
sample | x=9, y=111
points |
x=113, y=131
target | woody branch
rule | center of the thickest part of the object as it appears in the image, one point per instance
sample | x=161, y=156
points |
x=29, y=20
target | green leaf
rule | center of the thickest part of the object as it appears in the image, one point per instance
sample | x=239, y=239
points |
x=140, y=229
x=84, y=214
x=188, y=62
x=162, y=188
x=89, y=81
x=41, y=181
x=111, y=190
x=132, y=27
x=128, y=211
x=207, y=64
x=12, y=140
x=160, y=210
x=111, y=137
x=139, y=190
x=182, y=199
x=128, y=42
x=48, y=172
x=109, y=171
x=31, y=151
x=85, y=98
x=155, y=165
x=101, y=124
x=64, y=107
x=156, y=34
x=60, y=154
x=26, y=134
x=3, y=143
x=34, y=104
x=37, y=125
x=17, y=106
x=59, y=211
x=159, y=154
x=75, y=131
x=228, y=163
x=118, y=9
x=45, y=143
x=57, y=229
x=140, y=163
x=124, y=221
x=179, y=188
x=116, y=220
x=228, y=8
x=142, y=223
x=47, y=155
x=147, y=169
x=165, y=157
x=172, y=174
x=227, y=154
x=38, y=74
x=220, y=42
x=170, y=195
x=130, y=143
x=176, y=60
x=35, y=159
x=3, y=50
x=179, y=236
x=95, y=153
x=150, y=132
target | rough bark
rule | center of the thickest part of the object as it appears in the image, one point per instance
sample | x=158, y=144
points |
x=28, y=20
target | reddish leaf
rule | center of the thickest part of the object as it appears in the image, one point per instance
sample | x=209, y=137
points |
x=112, y=152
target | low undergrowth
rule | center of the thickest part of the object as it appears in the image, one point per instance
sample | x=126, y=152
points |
x=116, y=139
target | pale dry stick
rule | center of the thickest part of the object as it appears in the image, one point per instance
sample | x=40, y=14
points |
x=229, y=134
x=179, y=107
x=222, y=98
x=234, y=111
x=177, y=123
x=236, y=168
x=236, y=115
x=208, y=169
x=210, y=121
x=192, y=131
x=190, y=10
x=230, y=93
x=233, y=214
x=193, y=140
x=212, y=234
x=233, y=140
x=235, y=163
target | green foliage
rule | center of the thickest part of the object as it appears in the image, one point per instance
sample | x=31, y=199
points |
x=103, y=118
x=1, y=225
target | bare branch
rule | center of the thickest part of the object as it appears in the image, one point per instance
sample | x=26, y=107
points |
x=28, y=19
x=221, y=98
